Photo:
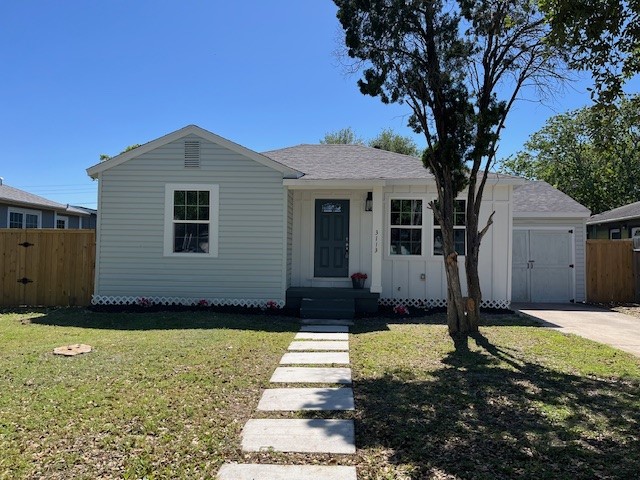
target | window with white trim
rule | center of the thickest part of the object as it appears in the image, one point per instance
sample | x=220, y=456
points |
x=24, y=218
x=191, y=220
x=459, y=230
x=406, y=227
x=615, y=234
x=62, y=222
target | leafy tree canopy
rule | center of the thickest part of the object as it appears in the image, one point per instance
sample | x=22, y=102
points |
x=590, y=154
x=104, y=156
x=603, y=37
x=458, y=65
x=392, y=142
x=344, y=136
x=387, y=139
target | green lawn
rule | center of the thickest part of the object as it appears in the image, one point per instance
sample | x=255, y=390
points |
x=165, y=395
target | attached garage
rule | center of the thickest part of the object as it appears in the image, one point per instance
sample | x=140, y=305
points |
x=549, y=233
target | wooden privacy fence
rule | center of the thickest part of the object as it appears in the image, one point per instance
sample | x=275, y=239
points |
x=610, y=272
x=46, y=267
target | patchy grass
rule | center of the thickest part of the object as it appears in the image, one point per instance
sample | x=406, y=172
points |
x=161, y=395
x=519, y=402
x=165, y=396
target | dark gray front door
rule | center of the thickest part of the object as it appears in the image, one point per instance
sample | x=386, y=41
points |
x=332, y=238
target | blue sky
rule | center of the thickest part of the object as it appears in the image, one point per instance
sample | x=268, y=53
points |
x=80, y=78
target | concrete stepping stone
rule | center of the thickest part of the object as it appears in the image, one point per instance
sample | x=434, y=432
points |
x=311, y=375
x=325, y=328
x=319, y=345
x=314, y=358
x=248, y=471
x=299, y=435
x=290, y=399
x=324, y=321
x=321, y=336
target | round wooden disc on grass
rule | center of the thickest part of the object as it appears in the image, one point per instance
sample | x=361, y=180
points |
x=71, y=350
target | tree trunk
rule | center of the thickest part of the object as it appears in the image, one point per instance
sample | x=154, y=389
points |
x=474, y=292
x=456, y=318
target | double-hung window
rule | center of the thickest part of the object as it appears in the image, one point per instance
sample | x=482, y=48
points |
x=191, y=220
x=459, y=230
x=406, y=227
x=23, y=218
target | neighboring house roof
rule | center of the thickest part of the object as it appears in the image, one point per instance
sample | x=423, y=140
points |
x=539, y=199
x=15, y=196
x=626, y=212
x=356, y=162
x=183, y=132
x=78, y=208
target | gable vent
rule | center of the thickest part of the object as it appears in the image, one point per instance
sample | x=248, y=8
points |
x=191, y=154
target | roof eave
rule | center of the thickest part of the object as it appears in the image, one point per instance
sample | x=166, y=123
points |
x=61, y=208
x=551, y=214
x=610, y=220
x=332, y=183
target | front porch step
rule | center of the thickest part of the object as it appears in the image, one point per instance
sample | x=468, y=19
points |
x=364, y=300
x=329, y=308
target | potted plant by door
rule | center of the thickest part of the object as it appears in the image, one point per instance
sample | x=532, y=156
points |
x=358, y=279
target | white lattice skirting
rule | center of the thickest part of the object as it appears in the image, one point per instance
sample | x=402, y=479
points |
x=218, y=302
x=436, y=302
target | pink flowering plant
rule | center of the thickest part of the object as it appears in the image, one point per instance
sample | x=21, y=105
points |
x=144, y=302
x=272, y=305
x=401, y=310
x=203, y=303
x=359, y=276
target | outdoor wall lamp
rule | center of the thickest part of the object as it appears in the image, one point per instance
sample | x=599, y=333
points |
x=368, y=203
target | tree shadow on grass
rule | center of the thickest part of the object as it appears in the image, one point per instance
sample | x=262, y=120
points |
x=378, y=324
x=490, y=415
x=179, y=320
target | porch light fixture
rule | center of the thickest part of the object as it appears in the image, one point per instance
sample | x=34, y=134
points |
x=368, y=203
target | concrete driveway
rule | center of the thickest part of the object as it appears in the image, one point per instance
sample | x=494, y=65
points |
x=613, y=328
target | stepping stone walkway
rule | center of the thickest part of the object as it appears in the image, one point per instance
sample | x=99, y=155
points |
x=291, y=399
x=315, y=358
x=231, y=471
x=311, y=375
x=320, y=346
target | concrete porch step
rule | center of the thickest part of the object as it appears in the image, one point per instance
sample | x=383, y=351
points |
x=323, y=328
x=329, y=308
x=325, y=322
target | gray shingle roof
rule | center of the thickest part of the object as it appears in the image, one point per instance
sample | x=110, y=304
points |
x=15, y=196
x=348, y=162
x=540, y=197
x=625, y=212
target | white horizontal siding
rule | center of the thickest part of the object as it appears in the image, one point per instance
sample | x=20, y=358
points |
x=251, y=228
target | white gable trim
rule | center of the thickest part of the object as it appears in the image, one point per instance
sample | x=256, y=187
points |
x=183, y=132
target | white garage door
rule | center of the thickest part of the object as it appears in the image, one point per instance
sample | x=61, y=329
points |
x=542, y=266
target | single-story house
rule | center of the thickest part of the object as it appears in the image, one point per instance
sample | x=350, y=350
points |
x=616, y=224
x=192, y=216
x=20, y=209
